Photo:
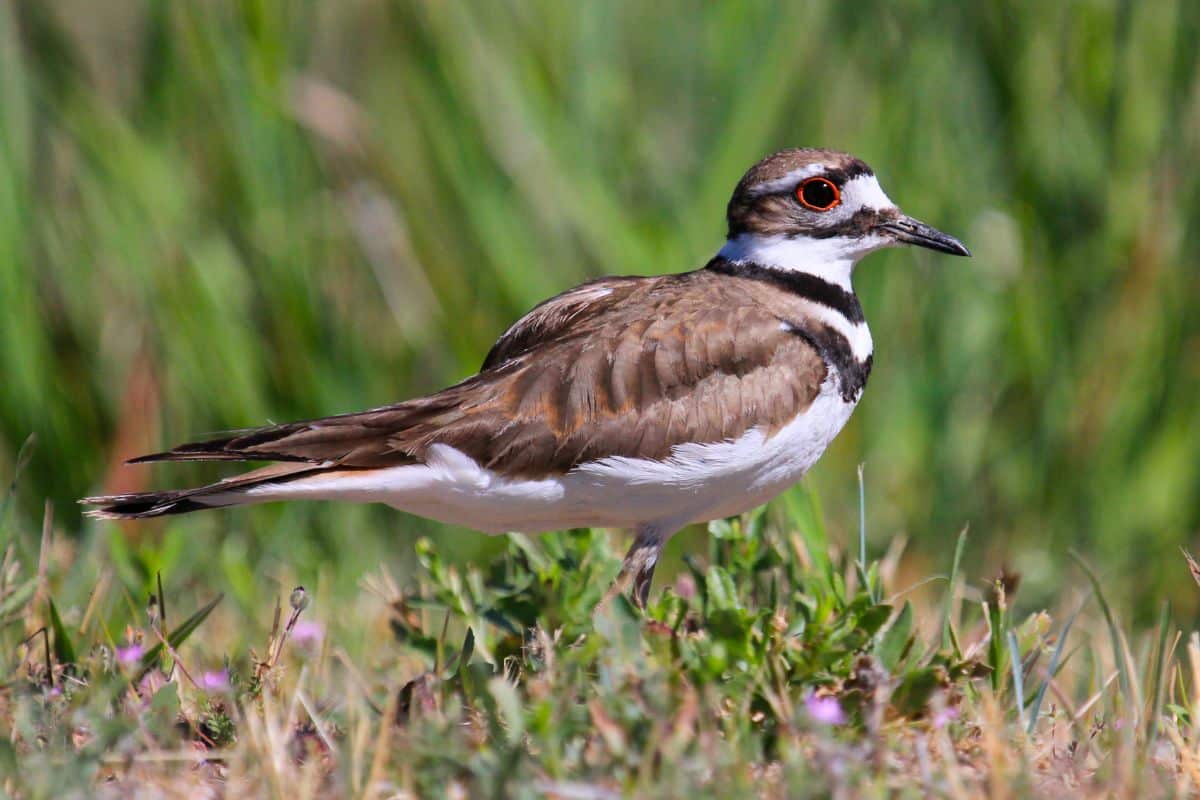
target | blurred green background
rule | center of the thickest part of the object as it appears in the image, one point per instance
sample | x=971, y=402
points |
x=217, y=214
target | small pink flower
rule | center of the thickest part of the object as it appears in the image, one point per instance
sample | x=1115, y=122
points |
x=129, y=654
x=825, y=709
x=943, y=717
x=54, y=691
x=215, y=681
x=308, y=632
x=685, y=586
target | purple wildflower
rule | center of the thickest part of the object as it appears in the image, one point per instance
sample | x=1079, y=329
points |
x=215, y=681
x=129, y=654
x=308, y=632
x=825, y=709
x=944, y=716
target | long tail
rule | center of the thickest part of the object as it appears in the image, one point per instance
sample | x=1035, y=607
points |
x=228, y=492
x=333, y=446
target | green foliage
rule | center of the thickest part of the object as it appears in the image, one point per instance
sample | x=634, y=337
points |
x=217, y=726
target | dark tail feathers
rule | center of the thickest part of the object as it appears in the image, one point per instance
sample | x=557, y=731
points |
x=152, y=504
x=184, y=501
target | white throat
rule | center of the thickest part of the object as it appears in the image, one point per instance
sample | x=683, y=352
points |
x=831, y=259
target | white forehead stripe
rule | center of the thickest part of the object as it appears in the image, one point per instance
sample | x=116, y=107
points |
x=865, y=191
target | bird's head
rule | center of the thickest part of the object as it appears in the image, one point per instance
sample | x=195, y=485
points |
x=807, y=205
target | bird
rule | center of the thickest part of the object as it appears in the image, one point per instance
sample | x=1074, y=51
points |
x=646, y=403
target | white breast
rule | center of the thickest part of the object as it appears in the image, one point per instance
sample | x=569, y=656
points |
x=700, y=482
x=697, y=482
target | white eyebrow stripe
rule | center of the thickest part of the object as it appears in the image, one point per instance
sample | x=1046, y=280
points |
x=787, y=181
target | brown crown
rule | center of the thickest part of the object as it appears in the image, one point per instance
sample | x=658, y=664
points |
x=776, y=212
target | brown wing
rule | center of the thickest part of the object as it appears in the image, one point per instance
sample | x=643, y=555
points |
x=630, y=372
x=572, y=313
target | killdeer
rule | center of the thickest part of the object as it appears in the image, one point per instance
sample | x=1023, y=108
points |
x=636, y=402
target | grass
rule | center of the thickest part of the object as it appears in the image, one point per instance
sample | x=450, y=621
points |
x=753, y=671
x=216, y=214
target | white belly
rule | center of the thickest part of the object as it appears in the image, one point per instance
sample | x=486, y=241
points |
x=697, y=482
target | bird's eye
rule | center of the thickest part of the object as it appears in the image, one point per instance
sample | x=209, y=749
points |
x=818, y=194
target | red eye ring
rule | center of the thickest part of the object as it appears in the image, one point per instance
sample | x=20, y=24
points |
x=818, y=194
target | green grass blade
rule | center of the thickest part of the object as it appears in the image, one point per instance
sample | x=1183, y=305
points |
x=162, y=599
x=897, y=639
x=23, y=455
x=862, y=519
x=64, y=650
x=947, y=639
x=1017, y=678
x=1051, y=669
x=863, y=572
x=1160, y=657
x=803, y=515
x=1114, y=633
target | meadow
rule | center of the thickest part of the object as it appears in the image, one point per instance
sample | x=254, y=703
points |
x=217, y=214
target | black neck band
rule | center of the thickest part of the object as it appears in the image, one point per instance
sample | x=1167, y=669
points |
x=807, y=286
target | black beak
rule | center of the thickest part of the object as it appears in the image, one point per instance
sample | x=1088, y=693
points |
x=910, y=231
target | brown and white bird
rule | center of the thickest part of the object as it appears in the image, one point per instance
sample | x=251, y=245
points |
x=636, y=402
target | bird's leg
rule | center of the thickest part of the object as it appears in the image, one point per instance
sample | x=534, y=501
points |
x=641, y=561
x=638, y=567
